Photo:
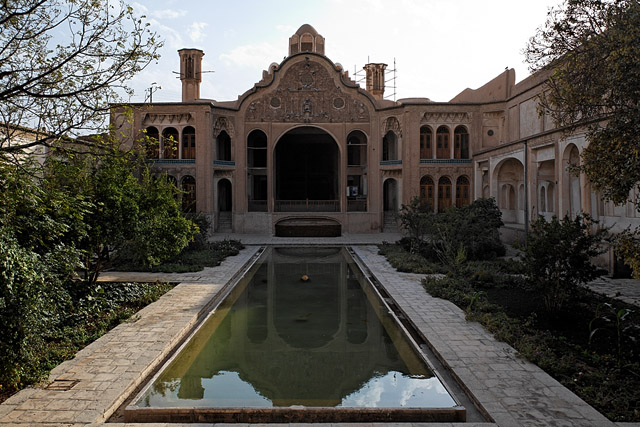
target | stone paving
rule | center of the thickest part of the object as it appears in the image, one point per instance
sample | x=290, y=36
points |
x=627, y=290
x=512, y=391
x=90, y=387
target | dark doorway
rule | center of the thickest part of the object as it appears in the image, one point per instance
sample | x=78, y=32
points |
x=224, y=195
x=306, y=162
x=390, y=195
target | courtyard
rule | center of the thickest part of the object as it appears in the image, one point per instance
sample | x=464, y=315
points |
x=91, y=388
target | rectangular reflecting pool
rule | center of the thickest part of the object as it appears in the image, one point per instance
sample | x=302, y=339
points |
x=302, y=337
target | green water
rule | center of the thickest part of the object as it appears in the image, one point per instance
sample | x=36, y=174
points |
x=282, y=341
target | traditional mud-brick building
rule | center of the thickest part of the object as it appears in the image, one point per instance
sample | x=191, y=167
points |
x=308, y=145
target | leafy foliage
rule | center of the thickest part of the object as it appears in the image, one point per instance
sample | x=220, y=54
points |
x=469, y=232
x=627, y=245
x=62, y=62
x=402, y=259
x=132, y=213
x=558, y=257
x=590, y=51
x=193, y=258
x=79, y=314
x=417, y=218
x=77, y=213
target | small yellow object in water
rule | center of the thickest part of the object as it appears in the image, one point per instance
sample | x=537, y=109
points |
x=304, y=278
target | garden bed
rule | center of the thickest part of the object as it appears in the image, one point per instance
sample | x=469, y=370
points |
x=89, y=313
x=591, y=346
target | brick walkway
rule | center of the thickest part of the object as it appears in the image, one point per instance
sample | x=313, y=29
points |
x=89, y=388
x=513, y=391
x=627, y=290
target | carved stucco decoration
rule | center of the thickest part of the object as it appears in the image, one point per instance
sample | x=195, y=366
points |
x=223, y=174
x=223, y=123
x=164, y=119
x=393, y=124
x=307, y=93
x=391, y=173
x=493, y=115
x=446, y=118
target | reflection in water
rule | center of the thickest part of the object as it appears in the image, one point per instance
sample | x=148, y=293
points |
x=282, y=341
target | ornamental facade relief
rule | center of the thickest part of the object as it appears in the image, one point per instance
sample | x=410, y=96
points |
x=307, y=93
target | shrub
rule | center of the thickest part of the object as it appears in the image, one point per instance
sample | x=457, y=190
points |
x=558, y=256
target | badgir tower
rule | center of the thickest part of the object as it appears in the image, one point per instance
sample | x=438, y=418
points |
x=308, y=149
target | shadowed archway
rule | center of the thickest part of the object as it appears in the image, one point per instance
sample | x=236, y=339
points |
x=307, y=173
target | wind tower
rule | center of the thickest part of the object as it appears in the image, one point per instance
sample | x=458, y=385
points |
x=375, y=79
x=190, y=73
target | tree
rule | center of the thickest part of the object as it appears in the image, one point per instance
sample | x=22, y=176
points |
x=131, y=213
x=558, y=257
x=416, y=218
x=62, y=62
x=589, y=51
x=472, y=229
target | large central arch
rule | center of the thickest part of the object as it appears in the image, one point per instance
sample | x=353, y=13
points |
x=307, y=170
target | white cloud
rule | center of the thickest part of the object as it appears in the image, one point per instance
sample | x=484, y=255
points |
x=195, y=31
x=173, y=38
x=168, y=13
x=252, y=55
x=139, y=8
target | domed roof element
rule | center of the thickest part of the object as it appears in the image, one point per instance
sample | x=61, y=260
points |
x=306, y=39
x=306, y=28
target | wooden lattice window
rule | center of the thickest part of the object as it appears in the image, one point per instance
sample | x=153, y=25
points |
x=462, y=191
x=189, y=143
x=442, y=143
x=444, y=194
x=426, y=135
x=426, y=190
x=461, y=143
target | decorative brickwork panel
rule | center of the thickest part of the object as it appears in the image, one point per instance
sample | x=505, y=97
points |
x=173, y=119
x=307, y=93
x=223, y=123
x=446, y=118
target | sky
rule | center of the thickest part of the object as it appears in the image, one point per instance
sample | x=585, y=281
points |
x=440, y=47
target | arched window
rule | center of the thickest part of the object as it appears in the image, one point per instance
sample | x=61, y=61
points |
x=152, y=142
x=257, y=149
x=356, y=149
x=512, y=198
x=462, y=191
x=461, y=143
x=426, y=190
x=189, y=196
x=551, y=196
x=257, y=171
x=390, y=146
x=444, y=194
x=543, y=200
x=170, y=141
x=223, y=146
x=426, y=135
x=442, y=143
x=306, y=43
x=189, y=143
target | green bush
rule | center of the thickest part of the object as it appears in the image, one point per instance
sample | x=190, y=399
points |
x=40, y=331
x=558, y=257
x=404, y=261
x=473, y=229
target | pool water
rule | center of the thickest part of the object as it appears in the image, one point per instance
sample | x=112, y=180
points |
x=279, y=340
